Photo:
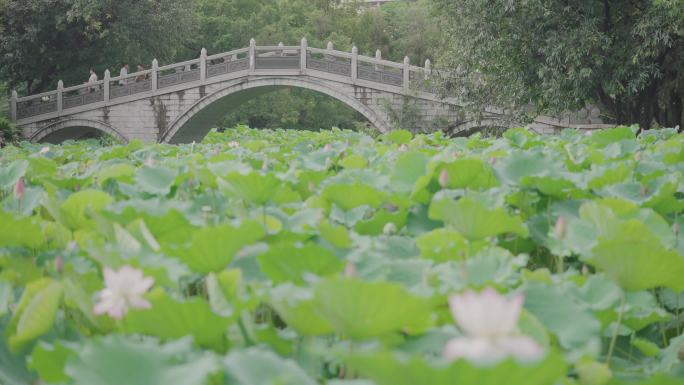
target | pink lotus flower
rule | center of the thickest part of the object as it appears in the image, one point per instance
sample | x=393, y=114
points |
x=327, y=147
x=489, y=321
x=19, y=188
x=123, y=290
x=443, y=178
x=44, y=150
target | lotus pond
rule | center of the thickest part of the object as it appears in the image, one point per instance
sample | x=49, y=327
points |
x=300, y=258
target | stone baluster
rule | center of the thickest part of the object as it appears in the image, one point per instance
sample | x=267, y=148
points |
x=428, y=68
x=252, y=55
x=203, y=65
x=355, y=64
x=281, y=52
x=105, y=85
x=60, y=96
x=329, y=47
x=407, y=73
x=13, y=106
x=155, y=75
x=303, y=55
x=378, y=56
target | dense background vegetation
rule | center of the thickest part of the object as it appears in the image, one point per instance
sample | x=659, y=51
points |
x=531, y=57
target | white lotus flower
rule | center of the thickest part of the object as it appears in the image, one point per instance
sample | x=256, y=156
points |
x=489, y=321
x=233, y=144
x=123, y=290
x=44, y=150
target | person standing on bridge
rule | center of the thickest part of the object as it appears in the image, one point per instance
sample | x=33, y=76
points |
x=123, y=74
x=140, y=77
x=92, y=80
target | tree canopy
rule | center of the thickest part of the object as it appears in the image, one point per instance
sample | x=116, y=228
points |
x=553, y=56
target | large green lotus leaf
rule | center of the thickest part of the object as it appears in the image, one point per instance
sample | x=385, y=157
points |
x=349, y=196
x=10, y=174
x=257, y=366
x=290, y=262
x=213, y=248
x=520, y=164
x=255, y=187
x=399, y=136
x=573, y=324
x=169, y=318
x=361, y=309
x=376, y=224
x=49, y=361
x=354, y=161
x=40, y=168
x=490, y=266
x=75, y=210
x=385, y=368
x=296, y=306
x=470, y=173
x=155, y=180
x=475, y=220
x=36, y=312
x=442, y=245
x=338, y=236
x=553, y=186
x=602, y=138
x=114, y=360
x=632, y=255
x=407, y=169
x=119, y=171
x=20, y=232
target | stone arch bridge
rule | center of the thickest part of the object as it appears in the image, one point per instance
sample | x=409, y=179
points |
x=181, y=102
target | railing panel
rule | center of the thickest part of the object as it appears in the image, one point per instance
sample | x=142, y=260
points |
x=179, y=77
x=130, y=85
x=227, y=65
x=82, y=95
x=380, y=74
x=330, y=64
x=277, y=58
x=36, y=106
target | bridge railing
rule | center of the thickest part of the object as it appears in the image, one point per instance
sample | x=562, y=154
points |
x=253, y=59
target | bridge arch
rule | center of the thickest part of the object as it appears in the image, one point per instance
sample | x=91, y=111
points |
x=196, y=121
x=74, y=129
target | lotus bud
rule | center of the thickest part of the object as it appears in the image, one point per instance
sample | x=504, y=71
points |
x=264, y=166
x=233, y=144
x=59, y=264
x=44, y=150
x=585, y=270
x=444, y=178
x=192, y=146
x=675, y=228
x=389, y=229
x=492, y=160
x=350, y=270
x=327, y=147
x=149, y=162
x=19, y=188
x=403, y=147
x=560, y=228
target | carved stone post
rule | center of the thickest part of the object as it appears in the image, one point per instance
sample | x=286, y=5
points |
x=13, y=106
x=355, y=64
x=252, y=55
x=329, y=47
x=428, y=68
x=281, y=52
x=155, y=75
x=303, y=55
x=378, y=55
x=105, y=85
x=203, y=65
x=60, y=96
x=407, y=73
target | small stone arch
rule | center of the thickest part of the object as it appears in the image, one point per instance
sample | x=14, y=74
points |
x=174, y=134
x=76, y=128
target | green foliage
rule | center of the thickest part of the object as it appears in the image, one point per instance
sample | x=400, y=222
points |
x=329, y=257
x=626, y=57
